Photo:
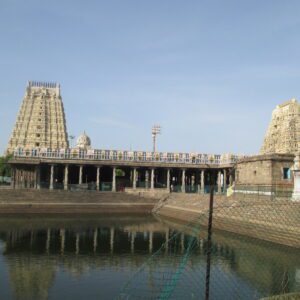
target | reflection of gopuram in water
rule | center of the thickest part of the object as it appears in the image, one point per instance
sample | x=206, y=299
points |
x=35, y=250
x=31, y=278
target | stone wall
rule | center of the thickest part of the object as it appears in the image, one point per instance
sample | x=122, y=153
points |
x=27, y=201
x=265, y=170
x=148, y=193
x=254, y=172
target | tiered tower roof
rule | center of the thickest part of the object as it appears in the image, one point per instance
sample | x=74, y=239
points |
x=41, y=121
x=283, y=134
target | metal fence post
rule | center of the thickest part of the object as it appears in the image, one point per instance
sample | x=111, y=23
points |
x=209, y=233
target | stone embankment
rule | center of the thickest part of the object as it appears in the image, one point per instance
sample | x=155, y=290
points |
x=264, y=218
x=74, y=202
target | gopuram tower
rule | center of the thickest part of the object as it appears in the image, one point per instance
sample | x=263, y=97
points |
x=283, y=134
x=41, y=120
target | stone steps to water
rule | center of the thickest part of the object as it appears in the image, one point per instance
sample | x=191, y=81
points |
x=261, y=217
x=59, y=196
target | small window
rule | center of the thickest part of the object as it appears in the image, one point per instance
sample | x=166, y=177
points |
x=38, y=135
x=37, y=144
x=254, y=172
x=286, y=173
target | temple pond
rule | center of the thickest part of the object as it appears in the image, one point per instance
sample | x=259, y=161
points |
x=108, y=257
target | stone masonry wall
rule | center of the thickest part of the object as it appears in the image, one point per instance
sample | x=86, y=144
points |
x=254, y=173
x=264, y=170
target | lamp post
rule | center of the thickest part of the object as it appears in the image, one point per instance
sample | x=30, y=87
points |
x=156, y=129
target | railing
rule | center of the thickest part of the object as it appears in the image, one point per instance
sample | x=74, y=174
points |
x=274, y=190
x=129, y=156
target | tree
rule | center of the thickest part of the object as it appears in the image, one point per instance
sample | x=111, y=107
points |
x=5, y=169
x=120, y=173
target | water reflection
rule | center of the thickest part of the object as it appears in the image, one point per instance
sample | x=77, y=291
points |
x=58, y=258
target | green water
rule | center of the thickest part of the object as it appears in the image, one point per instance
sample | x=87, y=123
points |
x=94, y=257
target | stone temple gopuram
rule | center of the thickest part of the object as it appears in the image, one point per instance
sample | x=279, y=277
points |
x=283, y=134
x=274, y=167
x=41, y=121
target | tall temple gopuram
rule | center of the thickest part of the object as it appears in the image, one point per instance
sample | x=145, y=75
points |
x=283, y=134
x=41, y=121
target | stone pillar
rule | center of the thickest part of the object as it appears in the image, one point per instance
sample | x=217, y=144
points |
x=152, y=178
x=38, y=177
x=150, y=241
x=12, y=184
x=296, y=170
x=146, y=179
x=22, y=178
x=224, y=181
x=51, y=177
x=66, y=179
x=16, y=178
x=183, y=181
x=134, y=179
x=193, y=181
x=219, y=182
x=19, y=178
x=114, y=180
x=230, y=179
x=80, y=174
x=98, y=179
x=15, y=183
x=168, y=179
x=202, y=181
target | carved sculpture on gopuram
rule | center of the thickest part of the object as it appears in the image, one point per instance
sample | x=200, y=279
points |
x=283, y=134
x=41, y=121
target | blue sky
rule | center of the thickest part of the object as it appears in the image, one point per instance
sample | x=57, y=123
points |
x=210, y=72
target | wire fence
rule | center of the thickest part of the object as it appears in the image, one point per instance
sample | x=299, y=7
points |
x=258, y=223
